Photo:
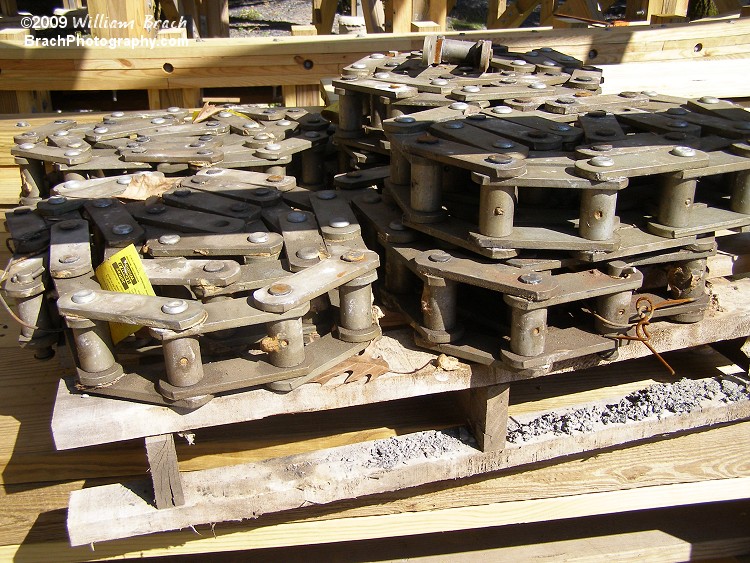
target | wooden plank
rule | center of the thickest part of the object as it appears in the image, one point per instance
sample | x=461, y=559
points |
x=398, y=15
x=374, y=14
x=165, y=475
x=425, y=27
x=323, y=14
x=305, y=95
x=125, y=420
x=184, y=98
x=719, y=453
x=247, y=62
x=22, y=101
x=131, y=13
x=487, y=413
x=511, y=16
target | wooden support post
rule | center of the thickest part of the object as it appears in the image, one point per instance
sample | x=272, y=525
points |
x=398, y=15
x=184, y=98
x=216, y=13
x=22, y=101
x=511, y=16
x=305, y=94
x=430, y=10
x=546, y=16
x=323, y=13
x=495, y=10
x=374, y=13
x=8, y=8
x=745, y=12
x=165, y=474
x=132, y=11
x=487, y=410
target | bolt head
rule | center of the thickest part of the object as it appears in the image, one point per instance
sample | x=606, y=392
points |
x=278, y=289
x=169, y=239
x=296, y=217
x=83, y=296
x=69, y=259
x=258, y=237
x=531, y=278
x=174, y=307
x=326, y=194
x=308, y=253
x=405, y=119
x=439, y=256
x=102, y=203
x=708, y=100
x=353, y=256
x=499, y=159
x=214, y=266
x=122, y=229
x=683, y=151
x=338, y=223
x=502, y=110
x=601, y=161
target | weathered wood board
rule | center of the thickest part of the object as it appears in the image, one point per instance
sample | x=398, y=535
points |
x=121, y=420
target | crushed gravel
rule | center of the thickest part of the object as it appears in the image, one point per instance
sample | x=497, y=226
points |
x=386, y=454
x=657, y=400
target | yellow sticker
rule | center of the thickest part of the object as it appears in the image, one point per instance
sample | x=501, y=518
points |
x=124, y=272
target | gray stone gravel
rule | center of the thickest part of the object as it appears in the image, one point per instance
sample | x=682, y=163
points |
x=657, y=400
x=388, y=453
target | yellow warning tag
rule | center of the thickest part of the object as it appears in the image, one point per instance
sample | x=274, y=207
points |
x=124, y=272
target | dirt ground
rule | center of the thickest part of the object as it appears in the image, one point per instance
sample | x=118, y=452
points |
x=248, y=18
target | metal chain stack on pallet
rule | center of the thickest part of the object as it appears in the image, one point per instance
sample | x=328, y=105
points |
x=524, y=219
x=243, y=279
x=534, y=220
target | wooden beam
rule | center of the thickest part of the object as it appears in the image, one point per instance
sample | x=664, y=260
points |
x=323, y=14
x=304, y=95
x=511, y=16
x=495, y=10
x=398, y=15
x=182, y=97
x=131, y=13
x=22, y=101
x=425, y=27
x=165, y=474
x=488, y=415
x=374, y=13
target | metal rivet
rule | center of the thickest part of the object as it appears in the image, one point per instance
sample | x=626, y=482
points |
x=338, y=223
x=173, y=109
x=261, y=191
x=57, y=200
x=499, y=159
x=584, y=79
x=169, y=239
x=269, y=111
x=359, y=66
x=678, y=123
x=124, y=180
x=396, y=226
x=258, y=237
x=502, y=109
x=272, y=147
x=439, y=256
x=601, y=161
x=213, y=124
x=353, y=256
x=326, y=194
x=312, y=134
x=381, y=75
x=69, y=259
x=69, y=225
x=377, y=56
x=454, y=125
x=72, y=153
x=102, y=203
x=118, y=114
x=476, y=117
x=537, y=85
x=508, y=81
x=709, y=100
x=158, y=121
x=531, y=278
x=629, y=94
x=63, y=133
x=280, y=289
x=239, y=207
x=155, y=209
x=83, y=296
x=560, y=127
x=519, y=62
x=22, y=124
x=250, y=125
x=371, y=197
x=439, y=82
x=123, y=229
x=682, y=151
x=404, y=119
x=214, y=266
x=566, y=100
x=471, y=89
x=650, y=93
x=138, y=150
x=214, y=171
x=174, y=307
x=204, y=152
x=601, y=148
x=296, y=217
x=225, y=114
x=503, y=144
x=677, y=111
x=283, y=123
x=459, y=106
x=26, y=146
x=308, y=253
